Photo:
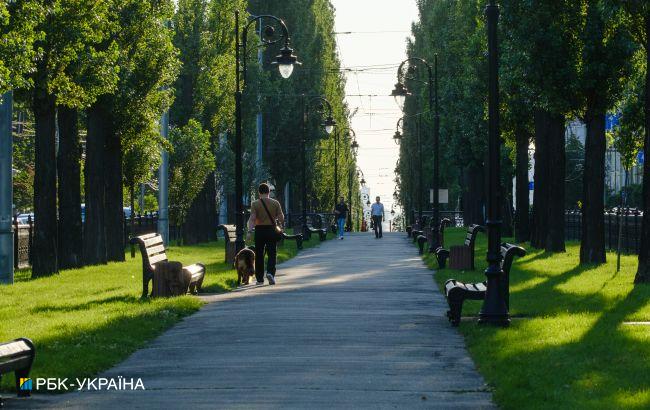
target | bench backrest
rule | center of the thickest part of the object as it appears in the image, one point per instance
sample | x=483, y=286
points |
x=152, y=249
x=472, y=233
x=229, y=232
x=17, y=354
x=508, y=253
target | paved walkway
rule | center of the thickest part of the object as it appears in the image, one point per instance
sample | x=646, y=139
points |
x=352, y=324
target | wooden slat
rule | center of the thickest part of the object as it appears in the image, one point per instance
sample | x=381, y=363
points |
x=155, y=250
x=157, y=258
x=152, y=241
x=12, y=348
x=147, y=236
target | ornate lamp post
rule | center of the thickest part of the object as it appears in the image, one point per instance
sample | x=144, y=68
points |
x=355, y=149
x=494, y=310
x=286, y=61
x=323, y=106
x=406, y=71
x=353, y=137
x=397, y=137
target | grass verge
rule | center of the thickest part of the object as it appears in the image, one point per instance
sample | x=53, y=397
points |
x=84, y=321
x=568, y=346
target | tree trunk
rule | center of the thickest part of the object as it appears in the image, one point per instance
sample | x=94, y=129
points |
x=114, y=191
x=557, y=185
x=474, y=195
x=548, y=205
x=522, y=226
x=592, y=245
x=69, y=193
x=44, y=250
x=643, y=271
x=199, y=223
x=94, y=244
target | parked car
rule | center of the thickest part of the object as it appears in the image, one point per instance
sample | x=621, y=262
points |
x=23, y=218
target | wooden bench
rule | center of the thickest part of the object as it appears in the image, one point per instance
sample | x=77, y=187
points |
x=297, y=237
x=460, y=256
x=154, y=262
x=17, y=356
x=230, y=236
x=322, y=232
x=457, y=292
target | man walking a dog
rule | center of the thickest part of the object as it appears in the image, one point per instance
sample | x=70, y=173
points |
x=266, y=214
x=377, y=212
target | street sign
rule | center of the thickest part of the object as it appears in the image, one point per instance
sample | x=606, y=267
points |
x=611, y=121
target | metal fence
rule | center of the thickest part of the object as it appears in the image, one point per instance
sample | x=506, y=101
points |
x=24, y=234
x=625, y=221
x=456, y=217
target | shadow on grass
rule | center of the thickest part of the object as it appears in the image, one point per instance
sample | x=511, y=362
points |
x=85, y=306
x=602, y=368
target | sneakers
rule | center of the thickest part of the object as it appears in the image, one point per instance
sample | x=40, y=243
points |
x=341, y=238
x=270, y=278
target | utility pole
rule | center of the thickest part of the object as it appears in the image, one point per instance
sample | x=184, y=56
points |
x=6, y=192
x=163, y=184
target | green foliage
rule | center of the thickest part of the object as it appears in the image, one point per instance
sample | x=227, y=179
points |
x=148, y=65
x=311, y=26
x=18, y=30
x=190, y=162
x=628, y=136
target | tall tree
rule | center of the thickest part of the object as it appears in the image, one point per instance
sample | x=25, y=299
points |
x=69, y=72
x=606, y=55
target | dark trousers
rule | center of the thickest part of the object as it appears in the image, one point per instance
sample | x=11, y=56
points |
x=265, y=242
x=376, y=221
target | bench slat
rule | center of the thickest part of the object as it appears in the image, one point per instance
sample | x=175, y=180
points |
x=157, y=258
x=153, y=241
x=153, y=250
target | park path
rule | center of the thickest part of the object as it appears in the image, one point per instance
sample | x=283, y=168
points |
x=356, y=323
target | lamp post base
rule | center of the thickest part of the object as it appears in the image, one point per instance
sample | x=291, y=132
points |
x=494, y=311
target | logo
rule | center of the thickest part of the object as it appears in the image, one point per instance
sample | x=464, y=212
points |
x=26, y=384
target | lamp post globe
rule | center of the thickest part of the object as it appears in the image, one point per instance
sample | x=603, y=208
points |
x=400, y=93
x=329, y=125
x=286, y=61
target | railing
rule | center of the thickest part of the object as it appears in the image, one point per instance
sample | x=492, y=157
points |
x=456, y=217
x=628, y=223
x=24, y=234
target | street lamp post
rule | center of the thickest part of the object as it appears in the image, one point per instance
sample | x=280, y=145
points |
x=355, y=149
x=363, y=184
x=337, y=135
x=286, y=61
x=329, y=124
x=494, y=310
x=400, y=93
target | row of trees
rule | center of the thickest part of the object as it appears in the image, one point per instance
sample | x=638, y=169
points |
x=96, y=77
x=559, y=61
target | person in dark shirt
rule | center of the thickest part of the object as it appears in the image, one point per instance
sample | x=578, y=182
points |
x=341, y=212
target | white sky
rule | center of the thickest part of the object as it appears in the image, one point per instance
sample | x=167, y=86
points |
x=379, y=32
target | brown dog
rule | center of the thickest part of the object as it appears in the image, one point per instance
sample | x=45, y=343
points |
x=245, y=265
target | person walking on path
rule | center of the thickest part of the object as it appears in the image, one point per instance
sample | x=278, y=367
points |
x=341, y=211
x=266, y=214
x=377, y=212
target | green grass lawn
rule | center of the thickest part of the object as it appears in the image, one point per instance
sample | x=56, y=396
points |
x=567, y=346
x=86, y=320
